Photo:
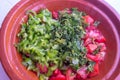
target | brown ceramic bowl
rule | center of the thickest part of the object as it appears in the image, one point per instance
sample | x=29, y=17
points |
x=98, y=9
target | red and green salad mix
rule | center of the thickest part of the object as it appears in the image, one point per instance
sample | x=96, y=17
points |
x=61, y=45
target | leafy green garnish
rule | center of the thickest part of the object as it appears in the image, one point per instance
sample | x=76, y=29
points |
x=90, y=66
x=44, y=40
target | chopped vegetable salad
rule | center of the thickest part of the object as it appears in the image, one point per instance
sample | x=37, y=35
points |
x=61, y=45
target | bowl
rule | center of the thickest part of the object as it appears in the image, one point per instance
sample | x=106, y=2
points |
x=98, y=9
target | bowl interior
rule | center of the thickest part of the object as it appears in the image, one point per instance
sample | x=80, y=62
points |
x=12, y=27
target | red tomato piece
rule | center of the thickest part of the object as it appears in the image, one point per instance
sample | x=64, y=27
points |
x=100, y=39
x=95, y=70
x=82, y=72
x=87, y=41
x=94, y=34
x=68, y=75
x=56, y=72
x=42, y=68
x=101, y=56
x=89, y=28
x=102, y=46
x=91, y=47
x=69, y=11
x=97, y=58
x=85, y=37
x=91, y=33
x=78, y=77
x=92, y=57
x=88, y=19
x=55, y=15
x=58, y=77
x=52, y=78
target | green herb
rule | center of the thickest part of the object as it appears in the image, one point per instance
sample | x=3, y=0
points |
x=43, y=39
x=96, y=23
x=90, y=66
x=97, y=50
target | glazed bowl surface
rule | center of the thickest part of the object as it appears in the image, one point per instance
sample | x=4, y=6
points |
x=99, y=10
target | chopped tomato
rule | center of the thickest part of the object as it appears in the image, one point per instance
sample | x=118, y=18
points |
x=89, y=28
x=100, y=39
x=102, y=46
x=93, y=34
x=85, y=37
x=69, y=76
x=68, y=73
x=82, y=72
x=95, y=70
x=87, y=47
x=56, y=72
x=97, y=58
x=42, y=68
x=101, y=56
x=55, y=15
x=91, y=47
x=87, y=41
x=78, y=77
x=69, y=11
x=58, y=77
x=88, y=19
x=92, y=57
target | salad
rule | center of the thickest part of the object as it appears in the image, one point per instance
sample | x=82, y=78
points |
x=61, y=45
